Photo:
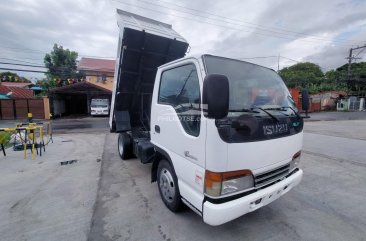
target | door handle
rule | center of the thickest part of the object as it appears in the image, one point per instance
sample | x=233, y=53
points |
x=186, y=154
x=157, y=129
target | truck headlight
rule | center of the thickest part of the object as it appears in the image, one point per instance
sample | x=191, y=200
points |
x=223, y=183
x=295, y=161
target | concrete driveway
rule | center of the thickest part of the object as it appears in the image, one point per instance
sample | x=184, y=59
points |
x=41, y=199
x=70, y=125
x=327, y=205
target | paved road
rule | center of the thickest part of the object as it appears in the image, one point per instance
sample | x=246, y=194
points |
x=336, y=115
x=327, y=205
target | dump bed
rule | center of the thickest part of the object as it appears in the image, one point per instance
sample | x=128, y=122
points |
x=144, y=44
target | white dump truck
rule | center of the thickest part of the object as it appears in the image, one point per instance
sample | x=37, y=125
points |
x=223, y=136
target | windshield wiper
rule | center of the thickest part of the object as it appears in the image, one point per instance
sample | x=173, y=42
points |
x=284, y=108
x=244, y=110
x=269, y=114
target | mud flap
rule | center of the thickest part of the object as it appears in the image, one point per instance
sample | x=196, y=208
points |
x=122, y=119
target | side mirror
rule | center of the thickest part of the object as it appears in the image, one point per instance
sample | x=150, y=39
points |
x=215, y=96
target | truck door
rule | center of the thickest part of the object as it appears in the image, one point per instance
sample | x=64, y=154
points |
x=178, y=126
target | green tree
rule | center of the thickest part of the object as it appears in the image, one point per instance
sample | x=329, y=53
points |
x=355, y=82
x=12, y=77
x=46, y=84
x=332, y=75
x=61, y=64
x=302, y=75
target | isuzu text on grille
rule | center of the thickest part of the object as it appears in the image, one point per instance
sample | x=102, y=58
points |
x=275, y=129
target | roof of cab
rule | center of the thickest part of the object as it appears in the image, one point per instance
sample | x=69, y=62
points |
x=199, y=56
x=195, y=56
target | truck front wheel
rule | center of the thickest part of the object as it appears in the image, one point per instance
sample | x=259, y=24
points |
x=124, y=146
x=168, y=186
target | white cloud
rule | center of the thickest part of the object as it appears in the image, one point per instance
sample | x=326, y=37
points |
x=313, y=30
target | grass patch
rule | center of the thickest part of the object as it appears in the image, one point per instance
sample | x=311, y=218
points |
x=5, y=139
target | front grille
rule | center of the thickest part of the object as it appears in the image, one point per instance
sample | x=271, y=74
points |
x=271, y=176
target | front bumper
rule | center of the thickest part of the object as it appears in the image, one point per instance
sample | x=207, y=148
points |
x=99, y=113
x=217, y=214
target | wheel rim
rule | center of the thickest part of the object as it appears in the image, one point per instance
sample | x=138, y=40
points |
x=167, y=185
x=120, y=146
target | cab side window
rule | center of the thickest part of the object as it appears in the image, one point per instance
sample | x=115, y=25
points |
x=179, y=87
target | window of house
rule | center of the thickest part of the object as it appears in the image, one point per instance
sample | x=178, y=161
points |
x=101, y=78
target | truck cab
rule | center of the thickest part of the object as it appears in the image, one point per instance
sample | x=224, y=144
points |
x=231, y=131
x=224, y=136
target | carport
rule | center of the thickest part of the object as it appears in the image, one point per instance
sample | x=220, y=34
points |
x=75, y=99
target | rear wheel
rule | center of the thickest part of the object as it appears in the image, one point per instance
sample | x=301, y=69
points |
x=124, y=146
x=168, y=186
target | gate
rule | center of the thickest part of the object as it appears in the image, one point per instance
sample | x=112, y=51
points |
x=19, y=108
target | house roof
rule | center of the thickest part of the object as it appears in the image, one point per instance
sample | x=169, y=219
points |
x=92, y=64
x=16, y=84
x=3, y=89
x=80, y=88
x=16, y=92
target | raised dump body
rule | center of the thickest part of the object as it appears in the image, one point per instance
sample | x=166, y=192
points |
x=144, y=44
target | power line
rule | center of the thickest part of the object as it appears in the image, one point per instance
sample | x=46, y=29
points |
x=259, y=57
x=45, y=72
x=37, y=59
x=23, y=49
x=27, y=65
x=24, y=70
x=61, y=68
x=33, y=65
x=359, y=52
x=290, y=59
x=214, y=24
x=272, y=56
x=246, y=22
x=279, y=34
x=40, y=52
x=18, y=60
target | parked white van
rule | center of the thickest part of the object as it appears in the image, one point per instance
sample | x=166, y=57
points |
x=99, y=107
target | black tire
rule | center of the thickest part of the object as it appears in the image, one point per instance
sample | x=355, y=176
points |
x=124, y=146
x=168, y=186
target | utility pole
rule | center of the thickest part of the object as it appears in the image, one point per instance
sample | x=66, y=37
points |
x=350, y=58
x=278, y=63
x=349, y=64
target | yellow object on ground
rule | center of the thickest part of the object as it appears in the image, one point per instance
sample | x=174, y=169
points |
x=30, y=134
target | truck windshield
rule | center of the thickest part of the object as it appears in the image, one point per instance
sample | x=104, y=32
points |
x=252, y=87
